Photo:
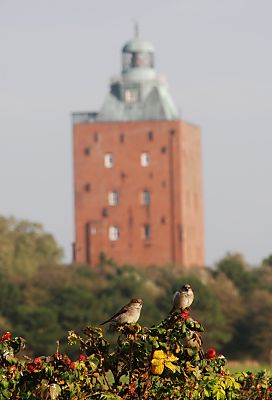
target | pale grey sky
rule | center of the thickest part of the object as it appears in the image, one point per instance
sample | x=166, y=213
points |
x=57, y=56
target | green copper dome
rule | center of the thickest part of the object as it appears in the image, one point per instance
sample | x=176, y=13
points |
x=138, y=45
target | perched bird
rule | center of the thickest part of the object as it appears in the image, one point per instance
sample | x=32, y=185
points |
x=195, y=343
x=183, y=298
x=129, y=314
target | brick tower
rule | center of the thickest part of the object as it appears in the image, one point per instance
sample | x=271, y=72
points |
x=138, y=173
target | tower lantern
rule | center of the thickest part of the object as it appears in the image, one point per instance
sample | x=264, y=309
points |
x=137, y=53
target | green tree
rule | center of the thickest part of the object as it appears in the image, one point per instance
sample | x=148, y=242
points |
x=24, y=246
x=35, y=323
x=267, y=261
x=235, y=268
x=230, y=299
x=254, y=330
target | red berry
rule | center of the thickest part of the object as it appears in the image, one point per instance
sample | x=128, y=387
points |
x=211, y=352
x=82, y=357
x=67, y=361
x=72, y=365
x=6, y=336
x=37, y=362
x=30, y=368
x=185, y=314
x=12, y=369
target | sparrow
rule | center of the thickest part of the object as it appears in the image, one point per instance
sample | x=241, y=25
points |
x=129, y=314
x=195, y=342
x=183, y=298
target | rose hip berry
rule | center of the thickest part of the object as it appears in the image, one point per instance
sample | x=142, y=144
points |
x=211, y=352
x=72, y=365
x=82, y=357
x=185, y=313
x=37, y=362
x=30, y=368
x=6, y=336
x=67, y=361
x=58, y=356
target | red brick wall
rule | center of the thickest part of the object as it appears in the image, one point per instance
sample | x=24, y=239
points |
x=168, y=178
x=192, y=197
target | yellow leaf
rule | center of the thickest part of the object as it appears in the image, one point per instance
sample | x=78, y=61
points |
x=157, y=369
x=171, y=357
x=157, y=362
x=161, y=359
x=171, y=366
x=159, y=354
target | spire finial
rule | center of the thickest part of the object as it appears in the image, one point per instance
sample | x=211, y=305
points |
x=136, y=29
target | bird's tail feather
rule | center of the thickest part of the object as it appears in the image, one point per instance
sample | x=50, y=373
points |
x=103, y=323
x=173, y=309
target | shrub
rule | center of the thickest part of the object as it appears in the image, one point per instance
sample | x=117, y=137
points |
x=162, y=362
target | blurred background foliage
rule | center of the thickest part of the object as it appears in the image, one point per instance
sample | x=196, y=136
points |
x=41, y=298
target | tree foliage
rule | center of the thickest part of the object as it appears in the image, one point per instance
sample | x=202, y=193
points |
x=24, y=246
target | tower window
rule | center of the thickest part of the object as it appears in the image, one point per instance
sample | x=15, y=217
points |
x=122, y=137
x=95, y=137
x=113, y=198
x=146, y=232
x=163, y=149
x=87, y=187
x=127, y=58
x=150, y=136
x=123, y=175
x=163, y=184
x=131, y=96
x=87, y=151
x=105, y=212
x=108, y=160
x=146, y=198
x=114, y=233
x=145, y=159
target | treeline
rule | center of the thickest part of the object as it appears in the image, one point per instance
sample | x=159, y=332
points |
x=41, y=299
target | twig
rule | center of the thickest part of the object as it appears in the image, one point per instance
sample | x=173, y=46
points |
x=130, y=360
